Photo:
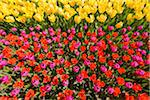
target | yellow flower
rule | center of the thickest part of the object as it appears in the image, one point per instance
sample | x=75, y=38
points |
x=9, y=19
x=130, y=16
x=38, y=17
x=119, y=25
x=15, y=13
x=77, y=19
x=72, y=3
x=148, y=17
x=102, y=18
x=111, y=12
x=52, y=18
x=67, y=15
x=138, y=15
x=60, y=11
x=91, y=19
x=1, y=16
x=21, y=19
x=102, y=9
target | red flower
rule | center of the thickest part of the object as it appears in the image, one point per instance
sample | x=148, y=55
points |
x=29, y=94
x=37, y=68
x=126, y=58
x=108, y=73
x=55, y=81
x=84, y=74
x=64, y=77
x=66, y=41
x=84, y=56
x=93, y=77
x=18, y=84
x=108, y=36
x=116, y=91
x=102, y=59
x=35, y=77
x=46, y=79
x=137, y=87
x=68, y=92
x=67, y=64
x=64, y=34
x=143, y=96
x=92, y=66
x=91, y=57
x=42, y=91
x=82, y=95
x=60, y=71
x=130, y=51
x=99, y=83
x=128, y=97
x=120, y=81
x=115, y=56
x=121, y=70
x=86, y=41
x=49, y=55
x=80, y=34
x=115, y=34
x=82, y=48
x=88, y=34
x=110, y=63
x=61, y=96
x=74, y=60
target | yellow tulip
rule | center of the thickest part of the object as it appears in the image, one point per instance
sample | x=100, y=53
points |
x=138, y=15
x=130, y=16
x=15, y=13
x=77, y=19
x=38, y=17
x=148, y=17
x=9, y=19
x=52, y=18
x=21, y=19
x=119, y=25
x=102, y=18
x=72, y=3
x=67, y=15
x=91, y=19
x=1, y=16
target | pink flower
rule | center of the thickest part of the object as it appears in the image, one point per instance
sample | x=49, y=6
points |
x=85, y=27
x=124, y=30
x=129, y=28
x=52, y=65
x=65, y=83
x=35, y=83
x=96, y=88
x=31, y=28
x=140, y=27
x=16, y=68
x=14, y=29
x=69, y=98
x=15, y=92
x=79, y=78
x=5, y=79
x=103, y=68
x=129, y=85
x=116, y=66
x=110, y=28
x=37, y=27
x=134, y=64
x=110, y=90
x=76, y=69
x=48, y=88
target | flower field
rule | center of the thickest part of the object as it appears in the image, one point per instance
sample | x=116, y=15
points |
x=74, y=49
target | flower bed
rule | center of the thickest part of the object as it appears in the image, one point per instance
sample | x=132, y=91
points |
x=74, y=49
